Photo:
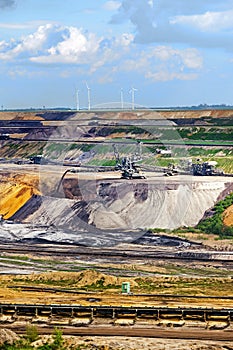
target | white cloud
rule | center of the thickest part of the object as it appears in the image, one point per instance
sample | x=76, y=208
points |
x=140, y=63
x=34, y=42
x=164, y=63
x=124, y=40
x=22, y=26
x=151, y=3
x=74, y=48
x=21, y=71
x=191, y=58
x=113, y=53
x=3, y=45
x=29, y=44
x=209, y=21
x=52, y=44
x=108, y=77
x=164, y=53
x=165, y=75
x=13, y=26
x=195, y=23
x=57, y=45
x=111, y=5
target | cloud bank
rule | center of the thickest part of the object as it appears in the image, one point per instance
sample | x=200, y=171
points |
x=180, y=21
x=53, y=44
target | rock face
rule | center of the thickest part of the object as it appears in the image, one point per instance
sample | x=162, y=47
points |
x=16, y=191
x=125, y=205
x=7, y=336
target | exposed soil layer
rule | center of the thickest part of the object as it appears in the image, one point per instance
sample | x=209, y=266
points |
x=126, y=115
x=19, y=116
x=228, y=216
x=16, y=191
x=128, y=342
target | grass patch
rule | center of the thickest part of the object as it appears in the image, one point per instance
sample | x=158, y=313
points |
x=186, y=286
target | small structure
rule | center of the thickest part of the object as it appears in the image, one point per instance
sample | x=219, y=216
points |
x=125, y=288
x=38, y=159
x=4, y=137
x=164, y=152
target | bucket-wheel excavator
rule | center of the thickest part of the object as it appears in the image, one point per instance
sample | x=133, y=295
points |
x=128, y=165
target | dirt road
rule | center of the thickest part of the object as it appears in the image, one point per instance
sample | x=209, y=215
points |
x=136, y=332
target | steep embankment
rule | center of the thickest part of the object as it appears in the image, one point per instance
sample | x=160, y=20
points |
x=16, y=115
x=228, y=216
x=15, y=191
x=165, y=206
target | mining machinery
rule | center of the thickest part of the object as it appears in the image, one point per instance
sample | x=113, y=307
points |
x=171, y=170
x=206, y=169
x=128, y=165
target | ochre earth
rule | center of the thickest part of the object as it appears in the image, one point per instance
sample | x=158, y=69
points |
x=228, y=216
x=15, y=191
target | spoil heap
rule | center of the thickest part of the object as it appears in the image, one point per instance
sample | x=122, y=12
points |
x=109, y=205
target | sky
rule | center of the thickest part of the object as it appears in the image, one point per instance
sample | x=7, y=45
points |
x=160, y=53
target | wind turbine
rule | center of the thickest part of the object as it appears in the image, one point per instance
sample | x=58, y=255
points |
x=122, y=99
x=77, y=100
x=132, y=91
x=88, y=97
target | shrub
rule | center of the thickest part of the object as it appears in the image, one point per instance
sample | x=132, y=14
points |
x=31, y=333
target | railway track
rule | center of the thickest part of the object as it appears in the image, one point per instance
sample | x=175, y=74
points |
x=108, y=320
x=131, y=295
x=102, y=253
x=156, y=143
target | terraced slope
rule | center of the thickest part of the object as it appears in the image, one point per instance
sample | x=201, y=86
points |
x=124, y=115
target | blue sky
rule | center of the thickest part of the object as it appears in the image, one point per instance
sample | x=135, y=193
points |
x=174, y=52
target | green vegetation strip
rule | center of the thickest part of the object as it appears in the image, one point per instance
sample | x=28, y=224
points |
x=214, y=224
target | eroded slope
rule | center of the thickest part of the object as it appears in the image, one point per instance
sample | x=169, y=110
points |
x=15, y=192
